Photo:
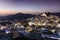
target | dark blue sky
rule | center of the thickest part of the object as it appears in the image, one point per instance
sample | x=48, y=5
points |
x=29, y=6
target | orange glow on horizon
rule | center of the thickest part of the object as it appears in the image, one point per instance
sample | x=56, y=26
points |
x=7, y=12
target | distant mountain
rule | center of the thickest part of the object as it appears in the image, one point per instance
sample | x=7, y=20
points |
x=57, y=14
x=18, y=16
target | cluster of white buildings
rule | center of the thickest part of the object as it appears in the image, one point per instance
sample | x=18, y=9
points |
x=39, y=21
x=44, y=20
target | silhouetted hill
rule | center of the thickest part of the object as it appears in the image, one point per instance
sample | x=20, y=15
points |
x=21, y=16
x=18, y=16
x=57, y=14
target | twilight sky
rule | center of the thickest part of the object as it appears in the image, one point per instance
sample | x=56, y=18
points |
x=28, y=6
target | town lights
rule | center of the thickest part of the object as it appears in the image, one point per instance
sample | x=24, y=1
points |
x=31, y=23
